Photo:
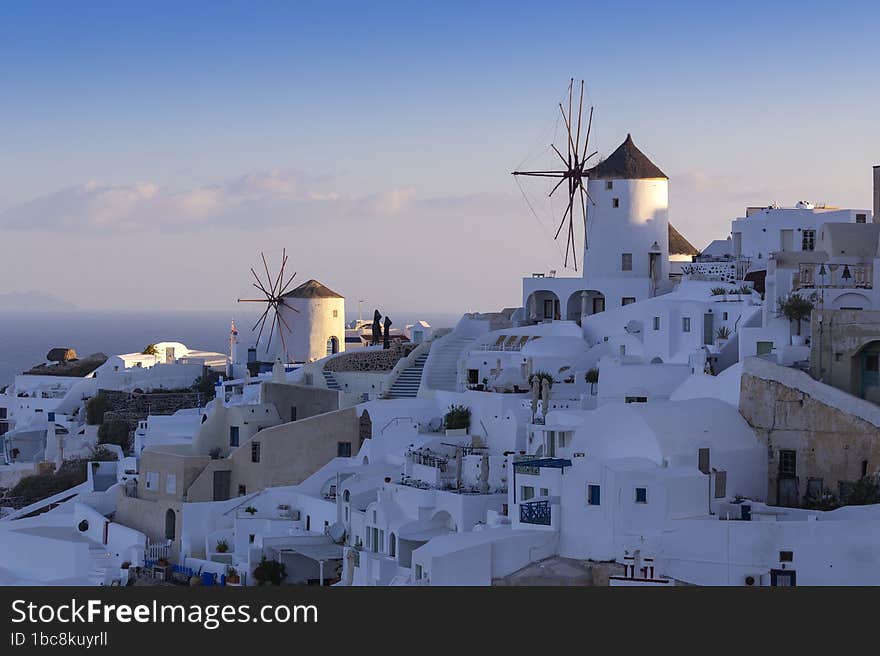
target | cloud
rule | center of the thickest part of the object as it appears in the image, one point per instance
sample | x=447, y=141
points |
x=252, y=201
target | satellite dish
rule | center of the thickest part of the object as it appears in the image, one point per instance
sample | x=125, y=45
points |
x=336, y=532
x=633, y=327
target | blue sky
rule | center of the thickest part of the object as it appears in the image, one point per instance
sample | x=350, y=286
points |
x=172, y=142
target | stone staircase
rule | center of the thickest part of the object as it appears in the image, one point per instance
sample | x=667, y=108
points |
x=330, y=379
x=407, y=384
x=443, y=360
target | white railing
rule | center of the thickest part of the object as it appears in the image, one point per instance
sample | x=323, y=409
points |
x=157, y=550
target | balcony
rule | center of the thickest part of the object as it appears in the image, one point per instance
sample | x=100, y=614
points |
x=535, y=512
x=814, y=275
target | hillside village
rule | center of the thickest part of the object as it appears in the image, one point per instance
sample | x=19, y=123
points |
x=669, y=416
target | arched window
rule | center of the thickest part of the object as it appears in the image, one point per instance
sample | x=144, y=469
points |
x=170, y=524
x=365, y=429
x=332, y=345
x=346, y=496
x=392, y=546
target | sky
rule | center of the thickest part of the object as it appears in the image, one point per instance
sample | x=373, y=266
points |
x=151, y=151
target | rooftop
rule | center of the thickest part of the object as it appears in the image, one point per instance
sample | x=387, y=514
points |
x=312, y=289
x=626, y=163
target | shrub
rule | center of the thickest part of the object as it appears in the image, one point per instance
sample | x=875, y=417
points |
x=722, y=333
x=205, y=385
x=95, y=409
x=115, y=432
x=251, y=510
x=150, y=349
x=270, y=572
x=824, y=501
x=72, y=472
x=718, y=291
x=865, y=491
x=222, y=546
x=745, y=289
x=592, y=376
x=215, y=453
x=541, y=376
x=458, y=416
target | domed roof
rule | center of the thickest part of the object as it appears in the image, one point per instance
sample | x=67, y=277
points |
x=555, y=346
x=626, y=163
x=312, y=289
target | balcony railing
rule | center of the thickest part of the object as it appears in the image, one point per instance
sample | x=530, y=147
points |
x=535, y=512
x=837, y=276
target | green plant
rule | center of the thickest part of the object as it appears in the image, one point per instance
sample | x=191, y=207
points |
x=795, y=308
x=222, y=546
x=718, y=291
x=722, y=333
x=95, y=409
x=745, y=289
x=151, y=349
x=864, y=492
x=270, y=572
x=458, y=416
x=826, y=500
x=215, y=453
x=541, y=376
x=592, y=376
x=251, y=510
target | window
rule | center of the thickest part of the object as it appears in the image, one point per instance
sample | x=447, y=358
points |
x=242, y=490
x=594, y=495
x=526, y=492
x=343, y=449
x=545, y=493
x=251, y=538
x=864, y=468
x=418, y=572
x=636, y=399
x=627, y=300
x=861, y=218
x=233, y=436
x=170, y=484
x=335, y=313
x=685, y=324
x=152, y=481
x=724, y=316
x=787, y=463
x=293, y=413
x=609, y=185
x=641, y=495
x=626, y=261
x=656, y=323
x=809, y=240
x=255, y=452
x=703, y=456
x=615, y=202
x=786, y=556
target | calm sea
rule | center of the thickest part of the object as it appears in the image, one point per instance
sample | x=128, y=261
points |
x=25, y=338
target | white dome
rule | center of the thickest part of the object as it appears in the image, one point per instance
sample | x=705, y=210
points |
x=555, y=347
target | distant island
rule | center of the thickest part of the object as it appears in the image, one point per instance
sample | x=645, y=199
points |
x=34, y=302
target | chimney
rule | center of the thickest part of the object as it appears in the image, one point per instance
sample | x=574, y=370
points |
x=876, y=216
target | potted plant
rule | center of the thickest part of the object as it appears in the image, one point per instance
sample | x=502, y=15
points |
x=592, y=378
x=457, y=420
x=270, y=572
x=718, y=291
x=232, y=577
x=721, y=336
x=222, y=546
x=795, y=308
x=251, y=510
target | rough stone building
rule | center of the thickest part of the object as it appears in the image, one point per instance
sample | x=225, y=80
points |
x=817, y=437
x=845, y=351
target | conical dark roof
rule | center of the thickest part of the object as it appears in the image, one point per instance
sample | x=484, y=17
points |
x=312, y=289
x=626, y=163
x=678, y=245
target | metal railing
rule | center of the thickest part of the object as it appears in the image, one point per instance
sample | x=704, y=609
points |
x=535, y=512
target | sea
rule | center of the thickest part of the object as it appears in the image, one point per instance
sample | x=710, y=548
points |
x=26, y=337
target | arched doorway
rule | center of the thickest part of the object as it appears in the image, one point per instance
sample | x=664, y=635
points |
x=392, y=546
x=170, y=524
x=365, y=428
x=584, y=302
x=866, y=372
x=333, y=345
x=543, y=305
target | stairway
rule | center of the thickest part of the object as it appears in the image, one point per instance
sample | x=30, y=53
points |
x=444, y=356
x=407, y=384
x=103, y=569
x=330, y=379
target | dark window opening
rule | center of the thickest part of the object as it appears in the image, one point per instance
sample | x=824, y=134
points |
x=343, y=449
x=255, y=452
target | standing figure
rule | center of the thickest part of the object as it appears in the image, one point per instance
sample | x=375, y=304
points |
x=386, y=343
x=536, y=392
x=545, y=397
x=377, y=327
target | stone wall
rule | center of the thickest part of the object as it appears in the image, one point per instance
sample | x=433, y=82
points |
x=367, y=360
x=132, y=408
x=837, y=338
x=832, y=434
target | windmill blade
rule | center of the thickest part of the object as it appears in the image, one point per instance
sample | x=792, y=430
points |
x=286, y=285
x=262, y=323
x=541, y=174
x=281, y=320
x=568, y=129
x=587, y=139
x=272, y=328
x=564, y=161
x=562, y=223
x=276, y=286
x=259, y=283
x=268, y=275
x=561, y=180
x=577, y=139
x=281, y=301
x=574, y=258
